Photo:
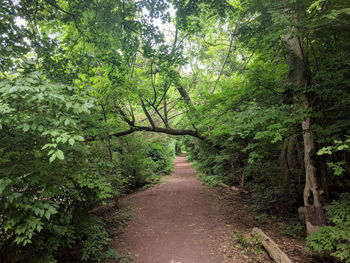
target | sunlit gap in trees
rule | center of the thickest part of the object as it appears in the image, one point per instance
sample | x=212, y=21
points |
x=167, y=28
x=169, y=31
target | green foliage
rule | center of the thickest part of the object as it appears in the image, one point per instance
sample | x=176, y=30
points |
x=95, y=240
x=270, y=196
x=162, y=156
x=248, y=243
x=77, y=74
x=48, y=177
x=178, y=148
x=141, y=161
x=334, y=239
x=294, y=230
x=211, y=166
x=338, y=146
x=122, y=219
x=211, y=180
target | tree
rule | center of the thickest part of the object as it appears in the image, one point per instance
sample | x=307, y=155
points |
x=260, y=27
x=237, y=75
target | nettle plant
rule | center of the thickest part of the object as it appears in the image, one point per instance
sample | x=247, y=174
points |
x=44, y=167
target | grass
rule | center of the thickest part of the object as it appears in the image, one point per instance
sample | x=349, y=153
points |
x=249, y=244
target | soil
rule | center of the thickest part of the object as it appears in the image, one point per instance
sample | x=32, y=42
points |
x=183, y=221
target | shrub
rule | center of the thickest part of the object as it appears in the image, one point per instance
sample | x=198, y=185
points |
x=211, y=180
x=161, y=156
x=95, y=240
x=334, y=239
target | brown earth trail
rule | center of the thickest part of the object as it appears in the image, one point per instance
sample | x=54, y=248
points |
x=176, y=221
x=183, y=221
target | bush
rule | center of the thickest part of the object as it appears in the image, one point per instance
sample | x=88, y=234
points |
x=161, y=156
x=334, y=239
x=211, y=180
x=139, y=160
x=270, y=195
x=94, y=240
x=178, y=148
x=49, y=178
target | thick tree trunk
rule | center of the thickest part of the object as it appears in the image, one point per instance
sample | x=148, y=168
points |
x=315, y=191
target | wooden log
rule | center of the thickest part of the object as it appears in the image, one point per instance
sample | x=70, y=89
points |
x=239, y=190
x=271, y=247
x=234, y=188
x=225, y=186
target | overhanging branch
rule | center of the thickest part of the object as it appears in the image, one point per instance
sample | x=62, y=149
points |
x=169, y=131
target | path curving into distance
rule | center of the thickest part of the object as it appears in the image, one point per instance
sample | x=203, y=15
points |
x=177, y=221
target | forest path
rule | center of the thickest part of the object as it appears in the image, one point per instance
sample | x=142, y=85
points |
x=178, y=221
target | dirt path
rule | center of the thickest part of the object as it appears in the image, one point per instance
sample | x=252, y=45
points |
x=183, y=221
x=176, y=221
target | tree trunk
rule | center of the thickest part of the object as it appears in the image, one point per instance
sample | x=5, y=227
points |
x=315, y=191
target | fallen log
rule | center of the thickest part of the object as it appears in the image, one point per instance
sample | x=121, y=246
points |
x=271, y=247
x=225, y=186
x=234, y=188
x=240, y=190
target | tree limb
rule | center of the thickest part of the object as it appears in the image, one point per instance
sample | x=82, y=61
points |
x=124, y=117
x=147, y=114
x=165, y=113
x=184, y=94
x=225, y=61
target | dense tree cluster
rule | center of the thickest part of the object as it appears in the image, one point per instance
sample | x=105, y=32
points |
x=259, y=90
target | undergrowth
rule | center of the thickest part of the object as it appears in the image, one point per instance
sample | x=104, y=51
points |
x=334, y=239
x=295, y=230
x=211, y=180
x=249, y=244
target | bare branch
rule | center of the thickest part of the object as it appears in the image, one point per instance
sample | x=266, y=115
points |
x=118, y=134
x=226, y=58
x=174, y=44
x=172, y=117
x=132, y=112
x=124, y=117
x=163, y=96
x=161, y=108
x=153, y=86
x=147, y=114
x=184, y=94
x=165, y=113
x=160, y=115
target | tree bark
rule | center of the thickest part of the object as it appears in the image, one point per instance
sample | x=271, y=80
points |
x=315, y=191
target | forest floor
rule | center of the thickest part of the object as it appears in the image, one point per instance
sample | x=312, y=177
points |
x=183, y=221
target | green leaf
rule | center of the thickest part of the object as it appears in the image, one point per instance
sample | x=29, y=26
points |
x=3, y=184
x=342, y=147
x=60, y=154
x=64, y=138
x=71, y=141
x=52, y=158
x=78, y=138
x=26, y=127
x=39, y=228
x=45, y=146
x=47, y=215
